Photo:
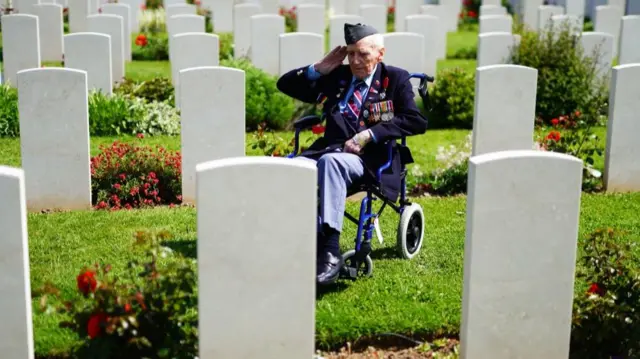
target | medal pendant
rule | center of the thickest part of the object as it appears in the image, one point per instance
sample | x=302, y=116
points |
x=383, y=95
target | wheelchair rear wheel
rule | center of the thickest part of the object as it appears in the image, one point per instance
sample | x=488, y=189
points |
x=410, y=231
x=364, y=269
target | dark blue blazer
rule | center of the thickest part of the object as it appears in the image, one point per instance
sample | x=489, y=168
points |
x=406, y=121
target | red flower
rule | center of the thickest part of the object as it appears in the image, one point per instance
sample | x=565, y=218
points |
x=127, y=307
x=117, y=186
x=122, y=176
x=101, y=205
x=595, y=289
x=473, y=14
x=555, y=122
x=317, y=129
x=152, y=175
x=554, y=136
x=94, y=325
x=140, y=135
x=87, y=281
x=578, y=113
x=141, y=40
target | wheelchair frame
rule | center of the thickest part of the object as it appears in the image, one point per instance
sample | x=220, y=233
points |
x=366, y=218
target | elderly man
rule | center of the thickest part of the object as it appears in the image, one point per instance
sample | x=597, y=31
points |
x=365, y=104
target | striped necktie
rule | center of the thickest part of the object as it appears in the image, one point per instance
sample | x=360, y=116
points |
x=354, y=105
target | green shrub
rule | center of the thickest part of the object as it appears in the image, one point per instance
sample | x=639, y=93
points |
x=226, y=45
x=150, y=47
x=452, y=99
x=147, y=309
x=9, y=120
x=158, y=118
x=263, y=101
x=112, y=115
x=465, y=53
x=605, y=315
x=158, y=89
x=567, y=79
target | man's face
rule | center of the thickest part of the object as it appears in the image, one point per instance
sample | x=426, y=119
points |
x=363, y=58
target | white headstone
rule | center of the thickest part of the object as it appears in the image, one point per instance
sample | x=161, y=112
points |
x=78, y=12
x=621, y=165
x=182, y=24
x=576, y=8
x=91, y=52
x=545, y=13
x=338, y=7
x=193, y=49
x=629, y=44
x=112, y=25
x=530, y=13
x=608, y=19
x=406, y=50
x=299, y=49
x=221, y=14
x=520, y=255
x=336, y=28
x=451, y=12
x=403, y=9
x=136, y=13
x=180, y=9
x=21, y=45
x=352, y=7
x=50, y=31
x=434, y=39
x=374, y=15
x=495, y=23
x=434, y=10
x=123, y=11
x=245, y=289
x=492, y=10
x=54, y=133
x=242, y=28
x=16, y=330
x=491, y=2
x=494, y=48
x=212, y=111
x=560, y=22
x=505, y=102
x=265, y=40
x=602, y=43
x=178, y=24
x=311, y=18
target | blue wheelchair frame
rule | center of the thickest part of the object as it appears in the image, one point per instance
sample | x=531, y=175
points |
x=366, y=217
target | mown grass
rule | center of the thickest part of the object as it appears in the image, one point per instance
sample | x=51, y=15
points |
x=421, y=297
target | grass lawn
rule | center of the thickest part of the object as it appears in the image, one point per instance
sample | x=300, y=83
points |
x=420, y=297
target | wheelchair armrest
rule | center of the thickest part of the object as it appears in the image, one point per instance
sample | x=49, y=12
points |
x=306, y=122
x=388, y=163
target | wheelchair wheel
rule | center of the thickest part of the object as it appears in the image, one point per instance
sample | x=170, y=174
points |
x=410, y=231
x=364, y=269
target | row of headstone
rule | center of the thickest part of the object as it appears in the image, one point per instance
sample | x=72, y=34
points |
x=28, y=40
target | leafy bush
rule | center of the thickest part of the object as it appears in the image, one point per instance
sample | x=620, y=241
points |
x=567, y=79
x=150, y=47
x=157, y=89
x=263, y=102
x=226, y=45
x=465, y=53
x=577, y=139
x=452, y=99
x=9, y=120
x=159, y=118
x=112, y=115
x=605, y=318
x=126, y=176
x=152, y=19
x=290, y=19
x=149, y=312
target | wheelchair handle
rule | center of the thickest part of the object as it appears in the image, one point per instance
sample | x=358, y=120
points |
x=422, y=88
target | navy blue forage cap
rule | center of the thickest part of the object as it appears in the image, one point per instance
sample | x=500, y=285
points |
x=355, y=33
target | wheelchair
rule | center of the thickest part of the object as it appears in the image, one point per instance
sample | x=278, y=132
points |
x=410, y=233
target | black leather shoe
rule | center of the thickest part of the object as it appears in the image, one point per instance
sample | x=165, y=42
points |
x=329, y=266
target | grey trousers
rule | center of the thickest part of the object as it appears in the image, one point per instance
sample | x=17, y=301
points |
x=337, y=171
